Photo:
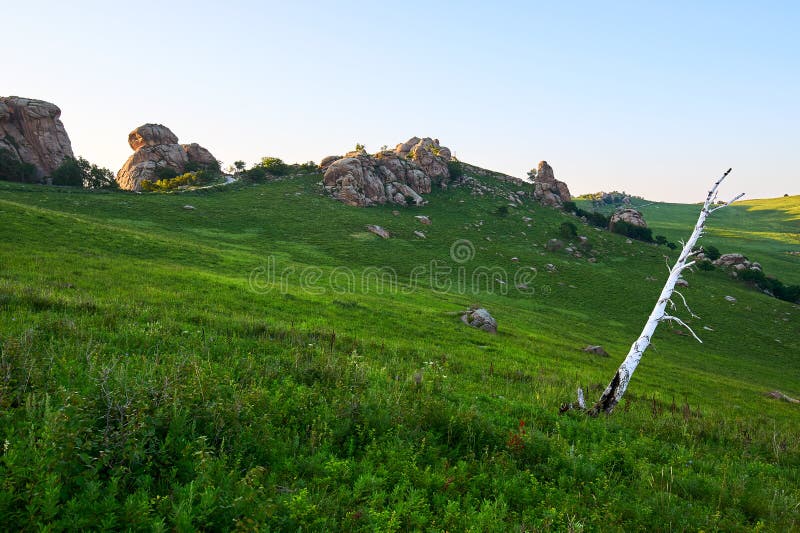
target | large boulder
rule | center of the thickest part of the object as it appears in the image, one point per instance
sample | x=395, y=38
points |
x=399, y=177
x=629, y=215
x=32, y=131
x=156, y=147
x=480, y=318
x=546, y=188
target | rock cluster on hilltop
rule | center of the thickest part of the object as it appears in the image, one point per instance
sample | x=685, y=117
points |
x=398, y=176
x=629, y=215
x=156, y=147
x=547, y=189
x=32, y=131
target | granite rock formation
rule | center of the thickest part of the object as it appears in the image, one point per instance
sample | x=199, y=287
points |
x=629, y=215
x=547, y=189
x=33, y=132
x=400, y=176
x=156, y=147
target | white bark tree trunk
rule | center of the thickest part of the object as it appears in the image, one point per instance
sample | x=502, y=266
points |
x=619, y=384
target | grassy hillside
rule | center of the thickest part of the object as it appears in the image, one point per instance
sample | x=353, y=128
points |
x=156, y=375
x=764, y=230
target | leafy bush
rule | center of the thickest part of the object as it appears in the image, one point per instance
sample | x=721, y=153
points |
x=68, y=173
x=184, y=180
x=502, y=211
x=568, y=230
x=81, y=173
x=12, y=169
x=632, y=231
x=703, y=265
x=274, y=166
x=166, y=173
x=671, y=245
x=256, y=174
x=455, y=168
x=594, y=218
x=711, y=252
x=661, y=240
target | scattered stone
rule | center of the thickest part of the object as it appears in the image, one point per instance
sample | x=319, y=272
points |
x=423, y=219
x=515, y=259
x=550, y=267
x=628, y=241
x=189, y=207
x=730, y=260
x=778, y=395
x=596, y=350
x=708, y=328
x=730, y=298
x=396, y=213
x=478, y=317
x=681, y=283
x=379, y=231
x=32, y=131
x=156, y=147
x=419, y=234
x=592, y=260
x=553, y=245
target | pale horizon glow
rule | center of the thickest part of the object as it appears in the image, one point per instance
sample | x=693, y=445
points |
x=654, y=100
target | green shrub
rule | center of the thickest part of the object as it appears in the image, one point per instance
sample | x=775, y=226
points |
x=702, y=265
x=632, y=231
x=81, y=173
x=455, y=168
x=166, y=173
x=12, y=169
x=256, y=174
x=711, y=252
x=68, y=173
x=502, y=211
x=661, y=240
x=570, y=207
x=274, y=166
x=568, y=230
x=184, y=180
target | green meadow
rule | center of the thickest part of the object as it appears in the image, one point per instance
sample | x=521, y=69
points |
x=262, y=362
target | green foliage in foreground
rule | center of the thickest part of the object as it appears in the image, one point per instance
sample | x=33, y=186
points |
x=156, y=377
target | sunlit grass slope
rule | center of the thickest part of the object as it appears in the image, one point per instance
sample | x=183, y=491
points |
x=239, y=365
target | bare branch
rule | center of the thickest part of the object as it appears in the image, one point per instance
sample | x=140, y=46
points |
x=685, y=304
x=726, y=204
x=682, y=323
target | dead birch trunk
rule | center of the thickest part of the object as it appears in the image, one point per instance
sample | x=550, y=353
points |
x=619, y=384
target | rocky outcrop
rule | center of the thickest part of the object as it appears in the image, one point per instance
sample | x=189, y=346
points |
x=400, y=176
x=428, y=154
x=155, y=148
x=547, y=189
x=33, y=132
x=629, y=215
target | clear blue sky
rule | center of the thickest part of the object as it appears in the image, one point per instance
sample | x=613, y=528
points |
x=652, y=98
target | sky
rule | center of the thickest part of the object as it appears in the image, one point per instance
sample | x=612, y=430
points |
x=653, y=98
